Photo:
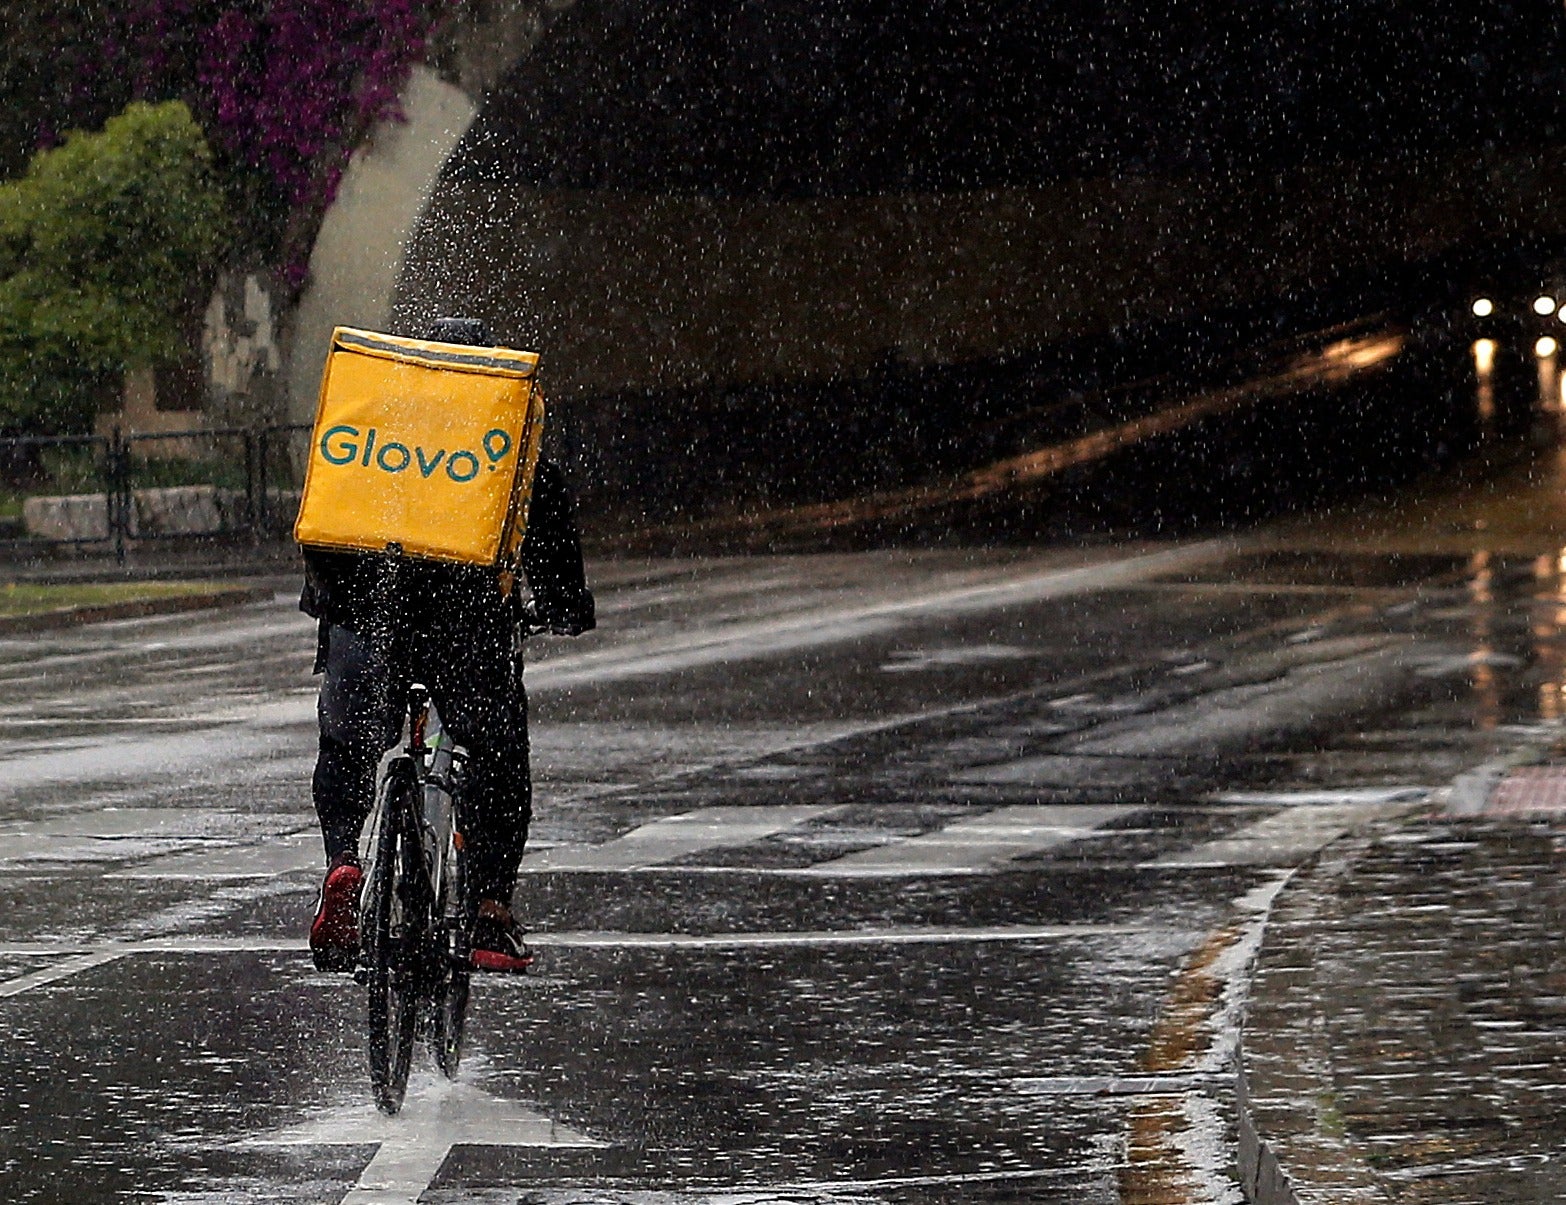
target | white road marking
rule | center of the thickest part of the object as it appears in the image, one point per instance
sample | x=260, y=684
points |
x=411, y=1147
x=194, y=944
x=114, y=822
x=836, y=625
x=260, y=730
x=890, y=936
x=1356, y=673
x=274, y=857
x=905, y=661
x=1282, y=839
x=249, y=736
x=170, y=837
x=977, y=845
x=60, y=970
x=93, y=849
x=972, y=846
x=254, y=730
x=671, y=837
x=1167, y=1083
x=98, y=955
x=1314, y=798
x=1080, y=1179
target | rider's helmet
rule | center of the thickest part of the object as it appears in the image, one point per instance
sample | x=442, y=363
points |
x=471, y=332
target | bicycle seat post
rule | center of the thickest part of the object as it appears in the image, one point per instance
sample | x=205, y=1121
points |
x=418, y=713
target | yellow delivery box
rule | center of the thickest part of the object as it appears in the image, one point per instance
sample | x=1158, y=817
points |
x=429, y=446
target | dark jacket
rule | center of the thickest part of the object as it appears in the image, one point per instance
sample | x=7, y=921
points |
x=338, y=587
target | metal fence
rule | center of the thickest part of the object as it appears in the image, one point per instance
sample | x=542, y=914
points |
x=102, y=493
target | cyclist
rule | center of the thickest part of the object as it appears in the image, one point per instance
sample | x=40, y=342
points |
x=457, y=638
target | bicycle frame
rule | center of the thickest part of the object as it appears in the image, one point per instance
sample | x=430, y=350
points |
x=438, y=763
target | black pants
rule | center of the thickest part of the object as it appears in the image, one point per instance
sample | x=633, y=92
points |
x=463, y=655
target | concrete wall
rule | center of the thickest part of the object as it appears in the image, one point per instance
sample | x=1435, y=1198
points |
x=627, y=292
x=360, y=250
x=363, y=242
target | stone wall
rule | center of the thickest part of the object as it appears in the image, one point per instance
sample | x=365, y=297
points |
x=186, y=510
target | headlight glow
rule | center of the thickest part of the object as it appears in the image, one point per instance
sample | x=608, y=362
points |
x=1484, y=307
x=1545, y=347
x=1544, y=304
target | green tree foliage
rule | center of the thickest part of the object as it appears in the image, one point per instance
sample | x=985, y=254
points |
x=284, y=90
x=107, y=246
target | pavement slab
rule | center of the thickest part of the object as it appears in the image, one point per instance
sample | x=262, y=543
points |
x=1406, y=1033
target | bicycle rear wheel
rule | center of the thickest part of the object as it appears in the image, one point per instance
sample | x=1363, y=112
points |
x=451, y=1002
x=394, y=921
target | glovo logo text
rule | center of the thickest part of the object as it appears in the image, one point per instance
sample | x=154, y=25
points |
x=347, y=445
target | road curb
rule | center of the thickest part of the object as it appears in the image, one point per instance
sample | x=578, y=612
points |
x=1284, y=1094
x=1262, y=1177
x=69, y=617
x=1471, y=790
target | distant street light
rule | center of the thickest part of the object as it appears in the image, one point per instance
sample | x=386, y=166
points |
x=1544, y=304
x=1484, y=307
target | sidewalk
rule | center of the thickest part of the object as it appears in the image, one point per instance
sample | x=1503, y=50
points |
x=1406, y=1034
x=159, y=561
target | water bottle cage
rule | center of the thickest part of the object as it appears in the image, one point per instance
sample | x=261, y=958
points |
x=449, y=778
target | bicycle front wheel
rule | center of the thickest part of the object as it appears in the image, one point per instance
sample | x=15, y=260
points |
x=393, y=922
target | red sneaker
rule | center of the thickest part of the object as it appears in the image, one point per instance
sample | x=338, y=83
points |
x=497, y=941
x=334, y=934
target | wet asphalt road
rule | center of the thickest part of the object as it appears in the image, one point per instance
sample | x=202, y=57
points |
x=882, y=877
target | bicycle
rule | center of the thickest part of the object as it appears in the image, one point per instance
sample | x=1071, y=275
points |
x=417, y=917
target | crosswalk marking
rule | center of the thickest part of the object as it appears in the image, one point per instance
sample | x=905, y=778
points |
x=974, y=845
x=82, y=850
x=656, y=843
x=104, y=835
x=269, y=858
x=672, y=837
x=1282, y=839
x=70, y=964
x=980, y=844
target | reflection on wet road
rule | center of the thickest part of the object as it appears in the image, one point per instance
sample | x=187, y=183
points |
x=883, y=877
